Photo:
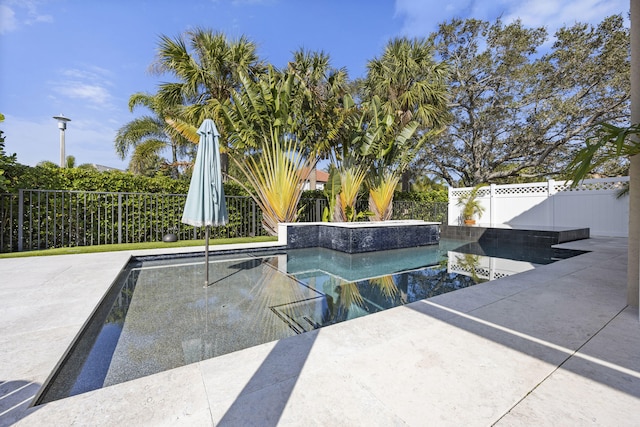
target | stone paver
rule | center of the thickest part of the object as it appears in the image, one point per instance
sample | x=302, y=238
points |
x=553, y=346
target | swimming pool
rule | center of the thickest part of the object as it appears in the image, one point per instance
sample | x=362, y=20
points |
x=158, y=316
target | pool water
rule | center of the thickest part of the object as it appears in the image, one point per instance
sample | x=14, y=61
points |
x=158, y=315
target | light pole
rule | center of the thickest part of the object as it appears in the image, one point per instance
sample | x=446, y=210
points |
x=62, y=125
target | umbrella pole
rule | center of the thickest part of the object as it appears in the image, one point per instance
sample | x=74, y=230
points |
x=206, y=257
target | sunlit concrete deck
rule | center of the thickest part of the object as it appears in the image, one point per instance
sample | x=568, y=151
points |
x=552, y=346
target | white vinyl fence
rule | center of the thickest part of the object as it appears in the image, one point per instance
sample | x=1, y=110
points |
x=592, y=204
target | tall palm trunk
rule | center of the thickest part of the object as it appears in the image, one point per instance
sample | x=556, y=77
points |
x=313, y=179
x=406, y=181
x=224, y=165
x=174, y=160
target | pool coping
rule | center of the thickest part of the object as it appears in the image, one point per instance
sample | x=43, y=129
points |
x=529, y=236
x=555, y=343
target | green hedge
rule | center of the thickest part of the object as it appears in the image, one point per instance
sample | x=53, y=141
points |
x=433, y=196
x=70, y=219
x=82, y=179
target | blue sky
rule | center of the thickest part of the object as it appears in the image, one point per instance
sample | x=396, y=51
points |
x=84, y=58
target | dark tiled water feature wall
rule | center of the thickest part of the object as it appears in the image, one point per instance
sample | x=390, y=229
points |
x=363, y=237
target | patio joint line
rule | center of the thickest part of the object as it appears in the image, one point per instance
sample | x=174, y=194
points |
x=588, y=358
x=206, y=393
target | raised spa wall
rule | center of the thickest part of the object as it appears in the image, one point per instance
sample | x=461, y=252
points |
x=520, y=235
x=358, y=237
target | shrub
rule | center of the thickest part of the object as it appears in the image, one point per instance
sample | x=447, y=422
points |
x=46, y=177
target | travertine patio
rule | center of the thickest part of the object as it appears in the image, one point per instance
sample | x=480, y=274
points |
x=552, y=346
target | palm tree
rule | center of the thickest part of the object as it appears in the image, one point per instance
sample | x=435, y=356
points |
x=319, y=104
x=382, y=148
x=471, y=205
x=411, y=86
x=146, y=159
x=262, y=121
x=149, y=135
x=207, y=66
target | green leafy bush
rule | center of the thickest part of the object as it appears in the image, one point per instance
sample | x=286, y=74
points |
x=438, y=196
x=47, y=177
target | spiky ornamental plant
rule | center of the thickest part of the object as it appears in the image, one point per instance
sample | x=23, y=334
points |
x=275, y=181
x=258, y=119
x=381, y=196
x=386, y=285
x=262, y=123
x=389, y=150
x=351, y=179
x=349, y=295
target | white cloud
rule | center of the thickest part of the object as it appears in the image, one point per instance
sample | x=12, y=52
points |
x=554, y=14
x=89, y=72
x=8, y=20
x=422, y=17
x=94, y=94
x=39, y=18
x=17, y=13
x=89, y=84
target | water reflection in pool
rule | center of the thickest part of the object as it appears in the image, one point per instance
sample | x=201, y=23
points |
x=158, y=316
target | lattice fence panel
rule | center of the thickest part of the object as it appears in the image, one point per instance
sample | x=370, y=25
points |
x=458, y=192
x=590, y=186
x=534, y=189
x=592, y=203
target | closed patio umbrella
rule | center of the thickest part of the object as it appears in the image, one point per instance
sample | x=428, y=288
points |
x=205, y=205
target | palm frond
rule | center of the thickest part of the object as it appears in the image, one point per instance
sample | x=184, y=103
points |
x=185, y=129
x=609, y=142
x=136, y=132
x=146, y=158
